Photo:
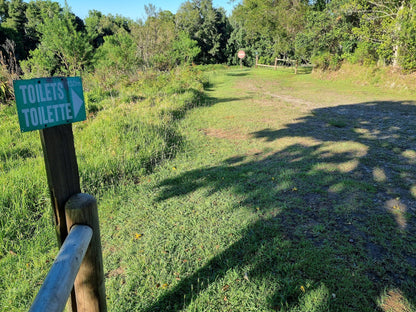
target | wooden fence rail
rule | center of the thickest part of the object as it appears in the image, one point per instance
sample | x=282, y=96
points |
x=294, y=63
x=286, y=61
x=264, y=65
x=79, y=264
x=57, y=286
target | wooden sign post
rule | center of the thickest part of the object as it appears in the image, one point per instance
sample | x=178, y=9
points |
x=62, y=172
x=51, y=105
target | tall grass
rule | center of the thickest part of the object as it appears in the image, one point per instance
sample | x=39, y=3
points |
x=128, y=131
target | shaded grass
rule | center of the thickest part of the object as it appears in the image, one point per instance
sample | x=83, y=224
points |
x=273, y=206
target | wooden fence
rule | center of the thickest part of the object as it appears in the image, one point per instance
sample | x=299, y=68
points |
x=79, y=264
x=57, y=286
x=276, y=60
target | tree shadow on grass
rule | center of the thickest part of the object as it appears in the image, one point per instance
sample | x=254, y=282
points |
x=240, y=73
x=335, y=204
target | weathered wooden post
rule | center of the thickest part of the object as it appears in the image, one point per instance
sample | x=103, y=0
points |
x=275, y=63
x=89, y=283
x=62, y=172
x=51, y=105
x=257, y=59
x=63, y=176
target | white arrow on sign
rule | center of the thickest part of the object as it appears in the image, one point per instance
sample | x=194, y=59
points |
x=76, y=102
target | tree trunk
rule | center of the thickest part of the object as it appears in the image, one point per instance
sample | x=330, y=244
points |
x=398, y=27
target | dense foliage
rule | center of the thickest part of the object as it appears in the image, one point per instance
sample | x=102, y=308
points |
x=41, y=38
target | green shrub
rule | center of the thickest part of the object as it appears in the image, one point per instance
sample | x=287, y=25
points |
x=327, y=61
x=407, y=50
x=364, y=54
x=135, y=129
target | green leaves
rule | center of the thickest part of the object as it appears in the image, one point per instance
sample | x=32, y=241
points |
x=208, y=26
x=272, y=26
x=53, y=41
x=118, y=53
x=185, y=49
x=63, y=49
x=386, y=27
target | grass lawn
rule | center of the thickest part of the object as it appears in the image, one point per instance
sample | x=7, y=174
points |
x=291, y=194
x=288, y=193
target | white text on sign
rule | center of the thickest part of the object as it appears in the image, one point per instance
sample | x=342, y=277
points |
x=44, y=115
x=48, y=102
x=39, y=93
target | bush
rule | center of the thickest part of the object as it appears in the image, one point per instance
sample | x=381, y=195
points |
x=6, y=89
x=127, y=137
x=364, y=54
x=327, y=61
x=134, y=130
x=116, y=61
x=407, y=50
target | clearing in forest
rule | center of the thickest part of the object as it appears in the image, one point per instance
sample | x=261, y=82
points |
x=285, y=193
x=292, y=194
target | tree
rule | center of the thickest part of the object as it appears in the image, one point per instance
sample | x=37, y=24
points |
x=381, y=26
x=99, y=26
x=118, y=54
x=63, y=49
x=208, y=26
x=236, y=42
x=184, y=49
x=271, y=26
x=326, y=31
x=13, y=24
x=15, y=18
x=407, y=38
x=154, y=38
x=320, y=5
x=36, y=13
x=4, y=10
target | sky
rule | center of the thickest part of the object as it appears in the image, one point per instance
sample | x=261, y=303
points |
x=133, y=9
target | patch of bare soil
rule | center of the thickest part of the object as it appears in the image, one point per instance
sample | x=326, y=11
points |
x=395, y=302
x=271, y=93
x=289, y=99
x=233, y=135
x=114, y=273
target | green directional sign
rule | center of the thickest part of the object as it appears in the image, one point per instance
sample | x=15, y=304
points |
x=48, y=102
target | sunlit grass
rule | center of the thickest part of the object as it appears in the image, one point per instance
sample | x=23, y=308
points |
x=270, y=192
x=125, y=136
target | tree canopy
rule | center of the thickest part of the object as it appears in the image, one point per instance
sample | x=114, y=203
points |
x=44, y=38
